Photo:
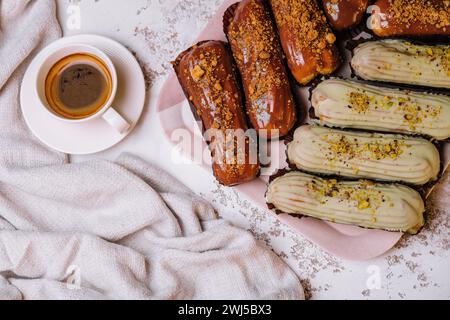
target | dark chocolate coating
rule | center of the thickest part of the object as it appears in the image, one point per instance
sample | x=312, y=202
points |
x=344, y=14
x=207, y=75
x=414, y=18
x=306, y=38
x=258, y=54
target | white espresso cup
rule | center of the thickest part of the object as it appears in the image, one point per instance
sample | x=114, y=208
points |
x=107, y=111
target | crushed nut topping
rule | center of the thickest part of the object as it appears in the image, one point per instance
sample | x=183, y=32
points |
x=409, y=13
x=360, y=102
x=305, y=15
x=259, y=51
x=439, y=54
x=362, y=196
x=197, y=72
x=414, y=113
x=341, y=148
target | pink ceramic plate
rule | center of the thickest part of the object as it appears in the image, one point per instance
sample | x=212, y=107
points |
x=345, y=241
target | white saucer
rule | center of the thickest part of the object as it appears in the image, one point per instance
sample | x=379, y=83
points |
x=96, y=135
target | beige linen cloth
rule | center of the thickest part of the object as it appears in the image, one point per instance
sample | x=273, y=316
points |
x=104, y=230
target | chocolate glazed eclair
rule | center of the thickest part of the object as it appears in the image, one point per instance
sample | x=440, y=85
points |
x=344, y=14
x=306, y=38
x=416, y=18
x=252, y=36
x=207, y=75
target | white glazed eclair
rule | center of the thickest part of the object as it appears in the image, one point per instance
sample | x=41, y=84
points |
x=403, y=62
x=389, y=207
x=350, y=104
x=356, y=154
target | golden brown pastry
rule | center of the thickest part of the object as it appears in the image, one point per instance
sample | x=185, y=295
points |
x=344, y=14
x=306, y=38
x=257, y=51
x=207, y=76
x=411, y=18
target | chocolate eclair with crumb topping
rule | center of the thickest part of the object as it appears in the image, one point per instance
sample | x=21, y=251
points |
x=416, y=18
x=207, y=75
x=258, y=54
x=306, y=38
x=344, y=14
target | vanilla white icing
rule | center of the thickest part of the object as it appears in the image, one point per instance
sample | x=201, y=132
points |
x=357, y=154
x=350, y=104
x=382, y=206
x=403, y=62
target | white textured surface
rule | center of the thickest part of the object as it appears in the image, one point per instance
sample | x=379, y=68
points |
x=156, y=31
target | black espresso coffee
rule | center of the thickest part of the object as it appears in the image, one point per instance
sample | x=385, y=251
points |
x=78, y=86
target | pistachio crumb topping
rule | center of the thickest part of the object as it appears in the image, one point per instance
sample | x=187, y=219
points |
x=359, y=101
x=413, y=112
x=339, y=147
x=362, y=196
x=438, y=54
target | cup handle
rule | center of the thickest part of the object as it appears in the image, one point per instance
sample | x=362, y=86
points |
x=116, y=121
